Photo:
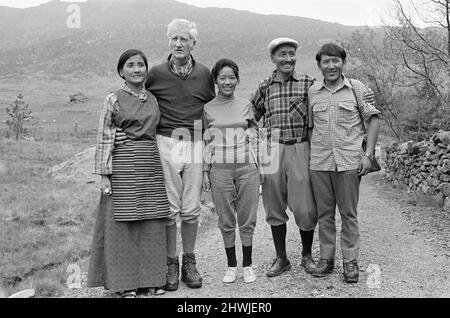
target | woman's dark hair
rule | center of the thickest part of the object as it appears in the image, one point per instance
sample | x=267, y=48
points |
x=224, y=63
x=126, y=55
x=331, y=49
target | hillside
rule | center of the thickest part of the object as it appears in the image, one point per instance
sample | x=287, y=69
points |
x=37, y=40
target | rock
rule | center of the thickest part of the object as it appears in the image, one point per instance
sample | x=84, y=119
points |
x=404, y=147
x=424, y=175
x=425, y=189
x=447, y=204
x=440, y=200
x=441, y=137
x=434, y=182
x=78, y=98
x=77, y=169
x=446, y=164
x=444, y=188
x=413, y=150
x=432, y=149
x=423, y=166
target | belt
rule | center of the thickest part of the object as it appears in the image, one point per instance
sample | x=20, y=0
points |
x=293, y=141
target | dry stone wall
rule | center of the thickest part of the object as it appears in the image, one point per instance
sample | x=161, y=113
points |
x=424, y=167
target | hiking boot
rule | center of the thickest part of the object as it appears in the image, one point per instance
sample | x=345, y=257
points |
x=173, y=274
x=279, y=266
x=351, y=271
x=324, y=267
x=189, y=273
x=308, y=263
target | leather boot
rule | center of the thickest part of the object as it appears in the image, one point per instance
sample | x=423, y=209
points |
x=308, y=263
x=189, y=273
x=351, y=271
x=279, y=266
x=173, y=274
x=324, y=267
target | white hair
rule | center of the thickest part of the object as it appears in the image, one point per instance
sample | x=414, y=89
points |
x=184, y=25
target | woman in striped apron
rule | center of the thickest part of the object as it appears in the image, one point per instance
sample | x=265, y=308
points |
x=129, y=242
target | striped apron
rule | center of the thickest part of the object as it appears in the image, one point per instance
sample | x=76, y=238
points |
x=137, y=182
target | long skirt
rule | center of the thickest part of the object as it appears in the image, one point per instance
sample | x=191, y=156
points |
x=127, y=255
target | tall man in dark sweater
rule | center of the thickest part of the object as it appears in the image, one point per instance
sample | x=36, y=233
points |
x=182, y=87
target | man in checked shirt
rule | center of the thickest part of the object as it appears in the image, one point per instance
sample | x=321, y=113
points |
x=281, y=100
x=337, y=160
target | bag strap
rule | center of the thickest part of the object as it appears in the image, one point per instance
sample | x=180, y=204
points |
x=357, y=106
x=265, y=90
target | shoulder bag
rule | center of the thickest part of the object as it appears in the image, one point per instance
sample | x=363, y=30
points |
x=375, y=166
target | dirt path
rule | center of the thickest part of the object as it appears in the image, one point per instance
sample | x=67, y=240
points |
x=403, y=254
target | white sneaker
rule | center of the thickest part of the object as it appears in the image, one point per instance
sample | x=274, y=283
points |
x=249, y=274
x=230, y=275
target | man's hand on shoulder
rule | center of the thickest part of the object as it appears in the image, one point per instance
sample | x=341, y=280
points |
x=120, y=138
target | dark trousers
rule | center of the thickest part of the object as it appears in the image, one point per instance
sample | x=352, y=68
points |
x=333, y=188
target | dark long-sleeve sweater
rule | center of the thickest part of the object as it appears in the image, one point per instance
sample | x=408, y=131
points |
x=180, y=101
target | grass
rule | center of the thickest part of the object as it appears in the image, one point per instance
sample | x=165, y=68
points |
x=44, y=224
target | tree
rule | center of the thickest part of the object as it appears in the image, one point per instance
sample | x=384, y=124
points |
x=372, y=61
x=19, y=114
x=425, y=52
x=408, y=67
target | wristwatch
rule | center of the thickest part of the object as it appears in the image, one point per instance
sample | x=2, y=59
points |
x=368, y=155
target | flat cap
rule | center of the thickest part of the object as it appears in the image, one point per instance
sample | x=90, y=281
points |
x=280, y=41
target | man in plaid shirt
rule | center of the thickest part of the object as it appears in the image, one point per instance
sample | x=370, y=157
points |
x=282, y=101
x=337, y=159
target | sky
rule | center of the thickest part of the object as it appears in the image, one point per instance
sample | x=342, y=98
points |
x=348, y=12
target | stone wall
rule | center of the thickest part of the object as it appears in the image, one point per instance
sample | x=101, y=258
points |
x=424, y=167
